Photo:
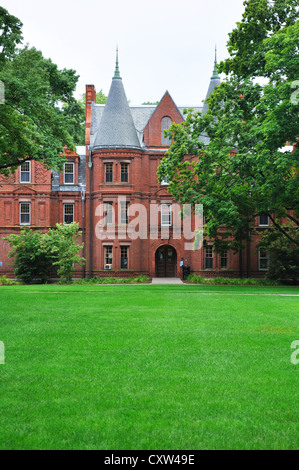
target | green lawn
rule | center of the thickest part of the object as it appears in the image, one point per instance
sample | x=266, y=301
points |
x=149, y=367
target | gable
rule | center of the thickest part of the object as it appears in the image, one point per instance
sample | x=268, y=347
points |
x=153, y=129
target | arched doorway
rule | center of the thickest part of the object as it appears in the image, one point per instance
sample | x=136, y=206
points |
x=166, y=261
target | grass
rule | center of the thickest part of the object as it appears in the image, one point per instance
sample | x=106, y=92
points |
x=149, y=367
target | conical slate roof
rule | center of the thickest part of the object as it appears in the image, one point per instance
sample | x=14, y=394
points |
x=116, y=128
x=214, y=82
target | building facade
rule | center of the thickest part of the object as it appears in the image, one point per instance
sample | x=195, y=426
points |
x=110, y=187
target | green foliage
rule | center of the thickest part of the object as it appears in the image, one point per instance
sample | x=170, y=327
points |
x=114, y=280
x=40, y=114
x=283, y=253
x=261, y=19
x=101, y=98
x=4, y=281
x=241, y=172
x=11, y=34
x=226, y=281
x=32, y=260
x=36, y=254
x=62, y=244
x=155, y=103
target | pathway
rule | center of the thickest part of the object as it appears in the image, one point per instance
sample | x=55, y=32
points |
x=166, y=280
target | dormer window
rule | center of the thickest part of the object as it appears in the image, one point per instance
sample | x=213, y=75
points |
x=25, y=171
x=69, y=173
x=166, y=123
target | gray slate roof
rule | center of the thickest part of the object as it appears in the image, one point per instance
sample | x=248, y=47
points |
x=140, y=115
x=116, y=128
x=214, y=82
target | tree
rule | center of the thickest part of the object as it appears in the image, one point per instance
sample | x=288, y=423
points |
x=11, y=34
x=241, y=172
x=101, y=98
x=62, y=244
x=155, y=103
x=32, y=259
x=284, y=254
x=40, y=114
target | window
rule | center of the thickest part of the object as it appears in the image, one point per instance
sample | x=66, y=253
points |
x=263, y=220
x=165, y=181
x=68, y=173
x=124, y=212
x=166, y=215
x=124, y=257
x=108, y=257
x=209, y=257
x=25, y=213
x=109, y=212
x=166, y=122
x=124, y=172
x=109, y=172
x=263, y=259
x=68, y=213
x=223, y=259
x=25, y=172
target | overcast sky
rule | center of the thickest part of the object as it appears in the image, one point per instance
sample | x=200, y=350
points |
x=163, y=44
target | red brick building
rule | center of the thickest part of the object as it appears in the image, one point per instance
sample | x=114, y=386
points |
x=100, y=188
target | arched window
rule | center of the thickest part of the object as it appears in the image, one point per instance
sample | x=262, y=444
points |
x=166, y=122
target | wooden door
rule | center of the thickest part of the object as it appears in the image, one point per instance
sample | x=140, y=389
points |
x=166, y=261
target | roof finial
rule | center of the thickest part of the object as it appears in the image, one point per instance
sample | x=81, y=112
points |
x=215, y=73
x=117, y=73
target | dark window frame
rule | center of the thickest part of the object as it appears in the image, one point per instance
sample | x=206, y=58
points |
x=109, y=174
x=68, y=216
x=124, y=175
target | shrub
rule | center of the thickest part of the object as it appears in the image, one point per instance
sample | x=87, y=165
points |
x=32, y=260
x=4, y=281
x=194, y=279
x=62, y=244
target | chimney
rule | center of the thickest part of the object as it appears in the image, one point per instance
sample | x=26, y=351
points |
x=90, y=97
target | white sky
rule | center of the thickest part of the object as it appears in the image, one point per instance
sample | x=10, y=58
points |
x=163, y=44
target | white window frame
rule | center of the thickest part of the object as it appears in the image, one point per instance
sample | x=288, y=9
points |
x=73, y=173
x=25, y=213
x=259, y=220
x=263, y=258
x=165, y=181
x=108, y=256
x=22, y=172
x=64, y=214
x=163, y=215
